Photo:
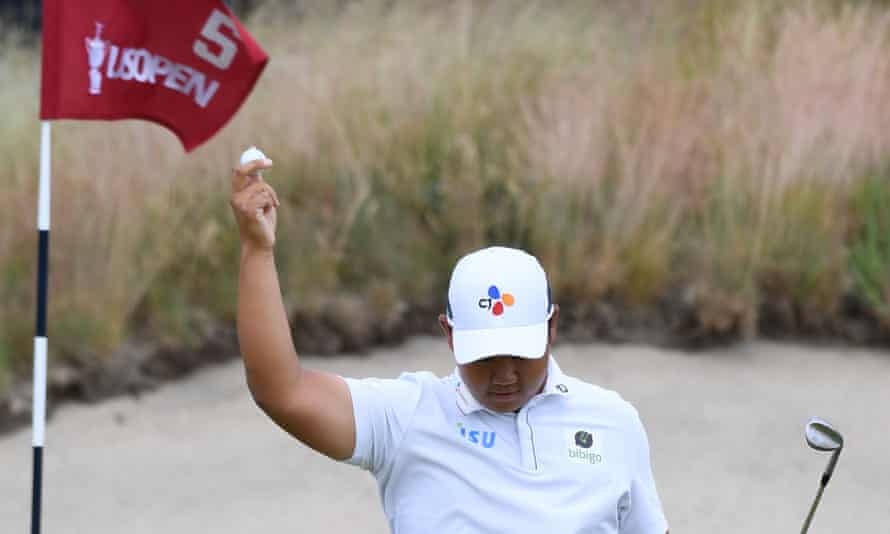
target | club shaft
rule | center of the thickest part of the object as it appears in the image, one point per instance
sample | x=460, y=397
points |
x=806, y=524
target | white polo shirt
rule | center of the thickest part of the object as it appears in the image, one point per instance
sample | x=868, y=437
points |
x=574, y=459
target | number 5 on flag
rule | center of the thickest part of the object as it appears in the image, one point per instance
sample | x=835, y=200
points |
x=211, y=32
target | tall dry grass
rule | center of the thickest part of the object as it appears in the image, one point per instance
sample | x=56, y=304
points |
x=638, y=148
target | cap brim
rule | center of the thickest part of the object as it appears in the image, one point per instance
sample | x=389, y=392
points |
x=523, y=341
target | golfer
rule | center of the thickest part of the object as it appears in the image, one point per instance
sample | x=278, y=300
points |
x=507, y=443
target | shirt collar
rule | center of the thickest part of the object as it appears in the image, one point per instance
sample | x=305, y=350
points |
x=554, y=385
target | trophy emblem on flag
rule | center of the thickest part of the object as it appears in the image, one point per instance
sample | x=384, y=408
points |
x=96, y=53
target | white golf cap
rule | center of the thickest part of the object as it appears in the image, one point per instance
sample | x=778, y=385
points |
x=498, y=304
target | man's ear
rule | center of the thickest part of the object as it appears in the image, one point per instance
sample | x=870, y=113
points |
x=551, y=324
x=447, y=330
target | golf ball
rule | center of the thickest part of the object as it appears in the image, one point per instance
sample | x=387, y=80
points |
x=251, y=154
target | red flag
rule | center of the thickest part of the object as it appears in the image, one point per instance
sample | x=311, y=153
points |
x=185, y=64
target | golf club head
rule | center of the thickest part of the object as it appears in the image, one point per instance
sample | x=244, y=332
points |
x=822, y=436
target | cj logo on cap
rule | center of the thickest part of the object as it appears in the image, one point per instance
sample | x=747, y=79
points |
x=496, y=301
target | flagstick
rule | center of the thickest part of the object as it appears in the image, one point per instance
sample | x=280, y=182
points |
x=38, y=411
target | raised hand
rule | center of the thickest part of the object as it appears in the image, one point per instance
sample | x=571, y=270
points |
x=255, y=204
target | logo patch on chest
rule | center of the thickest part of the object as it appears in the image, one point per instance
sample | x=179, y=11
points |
x=584, y=446
x=478, y=437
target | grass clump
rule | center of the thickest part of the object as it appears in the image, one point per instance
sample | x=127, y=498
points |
x=870, y=251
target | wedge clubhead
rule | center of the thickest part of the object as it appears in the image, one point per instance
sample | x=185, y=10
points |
x=821, y=436
x=824, y=437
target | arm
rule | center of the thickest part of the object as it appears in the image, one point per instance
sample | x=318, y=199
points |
x=646, y=514
x=314, y=407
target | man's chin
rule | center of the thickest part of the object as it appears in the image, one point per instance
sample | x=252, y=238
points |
x=504, y=402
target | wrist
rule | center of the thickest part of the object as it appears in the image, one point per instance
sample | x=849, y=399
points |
x=249, y=251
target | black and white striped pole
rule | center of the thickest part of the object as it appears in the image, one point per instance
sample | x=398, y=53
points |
x=38, y=406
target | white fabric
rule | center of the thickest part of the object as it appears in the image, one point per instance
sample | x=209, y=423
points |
x=575, y=459
x=492, y=295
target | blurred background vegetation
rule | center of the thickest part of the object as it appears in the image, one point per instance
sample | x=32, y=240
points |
x=697, y=171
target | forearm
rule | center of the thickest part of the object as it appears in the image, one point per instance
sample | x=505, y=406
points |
x=270, y=360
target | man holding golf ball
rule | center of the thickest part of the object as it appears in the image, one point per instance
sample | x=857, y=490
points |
x=507, y=443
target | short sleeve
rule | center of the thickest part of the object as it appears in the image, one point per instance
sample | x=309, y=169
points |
x=643, y=513
x=383, y=410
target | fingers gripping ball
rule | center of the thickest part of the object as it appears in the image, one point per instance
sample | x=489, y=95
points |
x=253, y=200
x=252, y=154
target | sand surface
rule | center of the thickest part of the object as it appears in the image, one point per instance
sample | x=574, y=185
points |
x=726, y=430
